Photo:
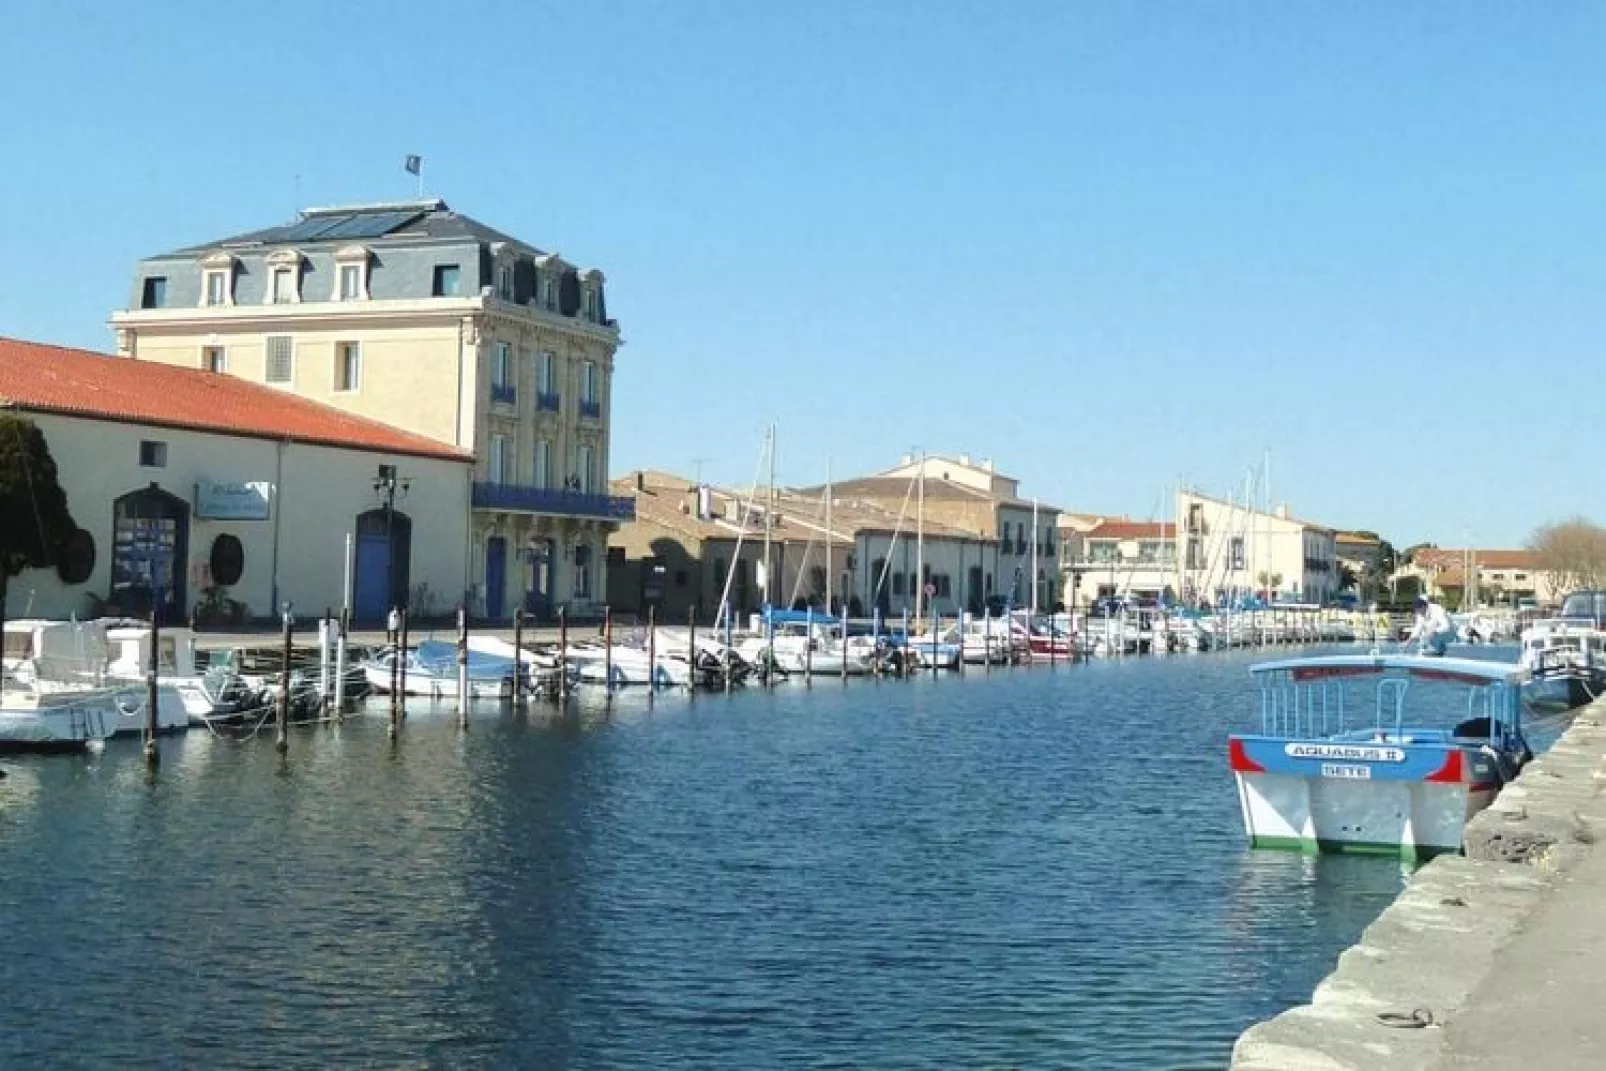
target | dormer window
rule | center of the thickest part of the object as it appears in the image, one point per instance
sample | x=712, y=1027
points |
x=504, y=281
x=591, y=295
x=549, y=298
x=351, y=273
x=217, y=279
x=284, y=277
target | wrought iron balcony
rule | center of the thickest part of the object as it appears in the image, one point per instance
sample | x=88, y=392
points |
x=554, y=501
x=506, y=393
x=591, y=409
x=549, y=402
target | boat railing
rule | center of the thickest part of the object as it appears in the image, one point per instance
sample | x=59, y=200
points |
x=1314, y=709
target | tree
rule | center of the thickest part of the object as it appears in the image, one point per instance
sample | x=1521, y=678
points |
x=1573, y=552
x=34, y=522
x=1347, y=580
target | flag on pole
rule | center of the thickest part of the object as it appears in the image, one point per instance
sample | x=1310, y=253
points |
x=414, y=165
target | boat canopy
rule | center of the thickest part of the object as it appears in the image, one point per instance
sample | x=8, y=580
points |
x=1423, y=667
x=797, y=617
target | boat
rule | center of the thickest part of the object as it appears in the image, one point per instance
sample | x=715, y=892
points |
x=187, y=695
x=1327, y=774
x=64, y=720
x=431, y=670
x=1567, y=654
x=62, y=670
x=622, y=664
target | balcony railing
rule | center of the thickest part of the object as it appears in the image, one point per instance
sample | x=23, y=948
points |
x=591, y=409
x=549, y=402
x=516, y=498
x=505, y=393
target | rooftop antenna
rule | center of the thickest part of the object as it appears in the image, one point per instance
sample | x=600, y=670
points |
x=295, y=208
x=697, y=468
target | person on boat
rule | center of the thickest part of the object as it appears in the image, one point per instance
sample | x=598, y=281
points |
x=1433, y=630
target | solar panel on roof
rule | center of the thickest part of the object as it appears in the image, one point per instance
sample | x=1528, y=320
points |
x=309, y=229
x=369, y=224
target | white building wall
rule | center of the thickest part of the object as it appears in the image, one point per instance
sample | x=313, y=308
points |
x=297, y=555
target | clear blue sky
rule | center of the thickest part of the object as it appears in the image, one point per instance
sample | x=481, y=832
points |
x=1109, y=245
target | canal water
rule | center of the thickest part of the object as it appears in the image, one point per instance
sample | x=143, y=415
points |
x=1028, y=868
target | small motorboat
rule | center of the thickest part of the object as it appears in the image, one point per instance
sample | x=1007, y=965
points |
x=1397, y=775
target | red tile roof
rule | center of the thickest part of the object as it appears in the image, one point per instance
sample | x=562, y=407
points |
x=1449, y=558
x=53, y=379
x=1131, y=530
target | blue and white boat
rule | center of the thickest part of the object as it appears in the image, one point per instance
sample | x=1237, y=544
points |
x=1395, y=772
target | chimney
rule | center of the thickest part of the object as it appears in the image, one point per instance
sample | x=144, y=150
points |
x=987, y=464
x=641, y=480
x=1282, y=511
x=908, y=459
x=705, y=503
x=964, y=459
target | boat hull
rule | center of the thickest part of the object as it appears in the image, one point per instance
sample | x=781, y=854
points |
x=1402, y=800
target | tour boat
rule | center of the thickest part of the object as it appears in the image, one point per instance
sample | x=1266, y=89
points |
x=1326, y=773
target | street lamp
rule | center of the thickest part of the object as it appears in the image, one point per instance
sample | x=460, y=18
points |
x=385, y=485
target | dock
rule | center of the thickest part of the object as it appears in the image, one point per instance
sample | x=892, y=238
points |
x=1487, y=960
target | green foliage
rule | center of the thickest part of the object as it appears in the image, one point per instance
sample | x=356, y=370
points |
x=34, y=520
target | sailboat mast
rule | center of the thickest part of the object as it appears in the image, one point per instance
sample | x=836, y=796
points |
x=920, y=541
x=769, y=522
x=830, y=567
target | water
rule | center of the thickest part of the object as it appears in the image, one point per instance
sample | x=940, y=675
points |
x=1035, y=868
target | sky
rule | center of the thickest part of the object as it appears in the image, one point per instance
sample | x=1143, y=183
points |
x=1111, y=246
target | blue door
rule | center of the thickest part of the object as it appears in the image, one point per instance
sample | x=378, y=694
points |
x=495, y=577
x=371, y=597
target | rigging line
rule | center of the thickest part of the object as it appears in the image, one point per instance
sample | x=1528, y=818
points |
x=747, y=508
x=797, y=580
x=886, y=563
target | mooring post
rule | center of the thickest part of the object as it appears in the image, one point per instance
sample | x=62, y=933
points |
x=607, y=651
x=691, y=646
x=462, y=667
x=326, y=653
x=401, y=678
x=1053, y=639
x=340, y=663
x=152, y=693
x=936, y=626
x=908, y=646
x=769, y=646
x=987, y=638
x=652, y=651
x=563, y=653
x=393, y=638
x=282, y=735
x=518, y=655
x=808, y=646
x=725, y=655
x=875, y=638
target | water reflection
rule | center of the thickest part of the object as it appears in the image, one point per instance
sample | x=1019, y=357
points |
x=1040, y=868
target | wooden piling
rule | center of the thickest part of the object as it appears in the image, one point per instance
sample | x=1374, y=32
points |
x=986, y=639
x=152, y=693
x=401, y=672
x=607, y=651
x=808, y=647
x=518, y=655
x=340, y=663
x=462, y=667
x=652, y=651
x=875, y=639
x=563, y=652
x=936, y=624
x=282, y=734
x=691, y=646
x=393, y=638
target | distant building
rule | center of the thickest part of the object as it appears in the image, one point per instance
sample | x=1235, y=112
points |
x=689, y=545
x=1215, y=550
x=198, y=489
x=1015, y=538
x=1497, y=577
x=419, y=317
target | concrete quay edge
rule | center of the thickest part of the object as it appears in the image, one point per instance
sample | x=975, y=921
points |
x=1458, y=917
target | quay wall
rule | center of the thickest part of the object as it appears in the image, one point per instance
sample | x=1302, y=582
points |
x=1427, y=958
